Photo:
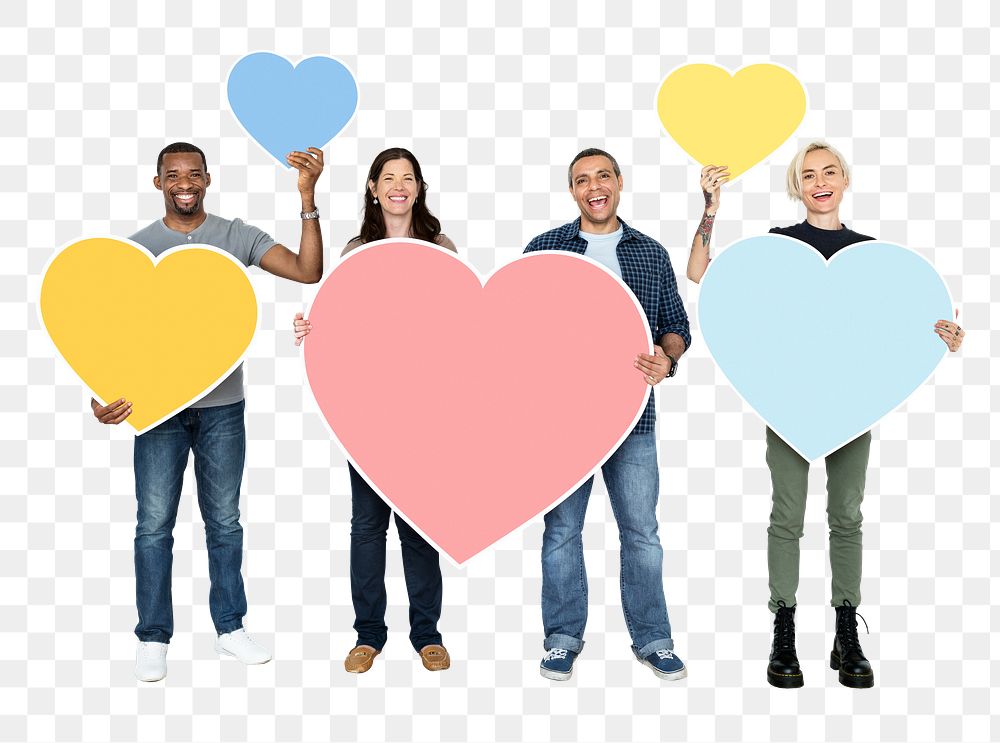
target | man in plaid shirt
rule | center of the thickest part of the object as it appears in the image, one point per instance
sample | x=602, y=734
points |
x=631, y=474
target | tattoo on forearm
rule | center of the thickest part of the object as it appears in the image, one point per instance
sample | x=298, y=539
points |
x=708, y=198
x=705, y=229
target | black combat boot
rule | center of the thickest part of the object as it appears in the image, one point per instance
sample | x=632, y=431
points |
x=783, y=671
x=847, y=657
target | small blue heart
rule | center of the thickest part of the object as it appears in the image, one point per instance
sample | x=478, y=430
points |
x=286, y=108
x=822, y=350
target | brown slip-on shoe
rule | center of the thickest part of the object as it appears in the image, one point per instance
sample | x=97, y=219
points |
x=435, y=658
x=360, y=659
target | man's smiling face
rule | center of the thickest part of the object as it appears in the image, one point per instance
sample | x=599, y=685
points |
x=183, y=180
x=597, y=191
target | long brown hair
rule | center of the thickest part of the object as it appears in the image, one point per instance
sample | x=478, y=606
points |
x=423, y=226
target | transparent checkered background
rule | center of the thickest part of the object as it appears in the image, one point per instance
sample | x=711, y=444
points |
x=495, y=102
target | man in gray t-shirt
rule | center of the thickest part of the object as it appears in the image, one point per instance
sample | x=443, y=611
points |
x=213, y=427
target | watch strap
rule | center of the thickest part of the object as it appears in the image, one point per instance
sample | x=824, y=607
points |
x=673, y=365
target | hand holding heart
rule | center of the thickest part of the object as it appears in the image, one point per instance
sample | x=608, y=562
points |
x=950, y=332
x=301, y=327
x=712, y=178
x=655, y=367
x=310, y=166
x=113, y=413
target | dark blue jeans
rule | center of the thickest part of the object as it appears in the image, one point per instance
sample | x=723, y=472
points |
x=217, y=436
x=421, y=568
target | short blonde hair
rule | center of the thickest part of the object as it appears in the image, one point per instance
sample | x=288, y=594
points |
x=793, y=180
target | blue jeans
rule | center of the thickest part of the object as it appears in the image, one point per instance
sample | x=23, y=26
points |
x=217, y=437
x=632, y=478
x=421, y=568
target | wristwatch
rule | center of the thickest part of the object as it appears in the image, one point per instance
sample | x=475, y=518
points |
x=314, y=214
x=673, y=364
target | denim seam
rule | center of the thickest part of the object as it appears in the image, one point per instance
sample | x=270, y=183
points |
x=552, y=639
x=652, y=647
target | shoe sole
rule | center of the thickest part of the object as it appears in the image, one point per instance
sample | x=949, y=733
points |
x=784, y=680
x=437, y=666
x=226, y=654
x=666, y=675
x=851, y=680
x=555, y=675
x=151, y=680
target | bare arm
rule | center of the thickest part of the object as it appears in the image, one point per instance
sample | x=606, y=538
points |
x=672, y=345
x=306, y=266
x=712, y=178
x=355, y=243
x=445, y=242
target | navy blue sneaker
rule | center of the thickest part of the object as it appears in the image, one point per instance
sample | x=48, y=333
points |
x=557, y=664
x=665, y=665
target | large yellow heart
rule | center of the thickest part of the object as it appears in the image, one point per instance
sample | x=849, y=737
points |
x=738, y=119
x=160, y=332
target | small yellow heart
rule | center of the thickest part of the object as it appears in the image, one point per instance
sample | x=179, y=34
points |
x=160, y=332
x=737, y=119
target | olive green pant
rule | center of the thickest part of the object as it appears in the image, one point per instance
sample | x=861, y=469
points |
x=845, y=487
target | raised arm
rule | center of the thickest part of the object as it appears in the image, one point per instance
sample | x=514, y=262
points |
x=712, y=178
x=306, y=266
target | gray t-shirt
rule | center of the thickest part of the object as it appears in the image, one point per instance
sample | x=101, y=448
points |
x=247, y=243
x=604, y=248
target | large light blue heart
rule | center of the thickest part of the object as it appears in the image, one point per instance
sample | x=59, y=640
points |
x=822, y=350
x=286, y=108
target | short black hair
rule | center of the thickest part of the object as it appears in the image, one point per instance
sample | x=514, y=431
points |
x=179, y=147
x=592, y=152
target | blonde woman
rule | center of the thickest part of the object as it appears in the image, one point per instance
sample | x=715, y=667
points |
x=818, y=177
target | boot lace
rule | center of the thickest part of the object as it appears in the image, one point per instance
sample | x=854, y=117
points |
x=847, y=627
x=784, y=627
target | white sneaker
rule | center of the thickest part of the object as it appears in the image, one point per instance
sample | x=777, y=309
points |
x=151, y=661
x=237, y=644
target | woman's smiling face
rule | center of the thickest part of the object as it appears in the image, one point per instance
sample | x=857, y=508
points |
x=396, y=188
x=823, y=182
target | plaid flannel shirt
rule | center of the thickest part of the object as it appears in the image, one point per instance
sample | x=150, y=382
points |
x=646, y=270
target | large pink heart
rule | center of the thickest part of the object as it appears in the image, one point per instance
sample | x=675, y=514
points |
x=472, y=409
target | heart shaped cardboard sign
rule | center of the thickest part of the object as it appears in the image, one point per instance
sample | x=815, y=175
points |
x=735, y=119
x=284, y=107
x=822, y=350
x=161, y=332
x=471, y=407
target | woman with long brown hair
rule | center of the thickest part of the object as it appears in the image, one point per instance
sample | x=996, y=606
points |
x=395, y=205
